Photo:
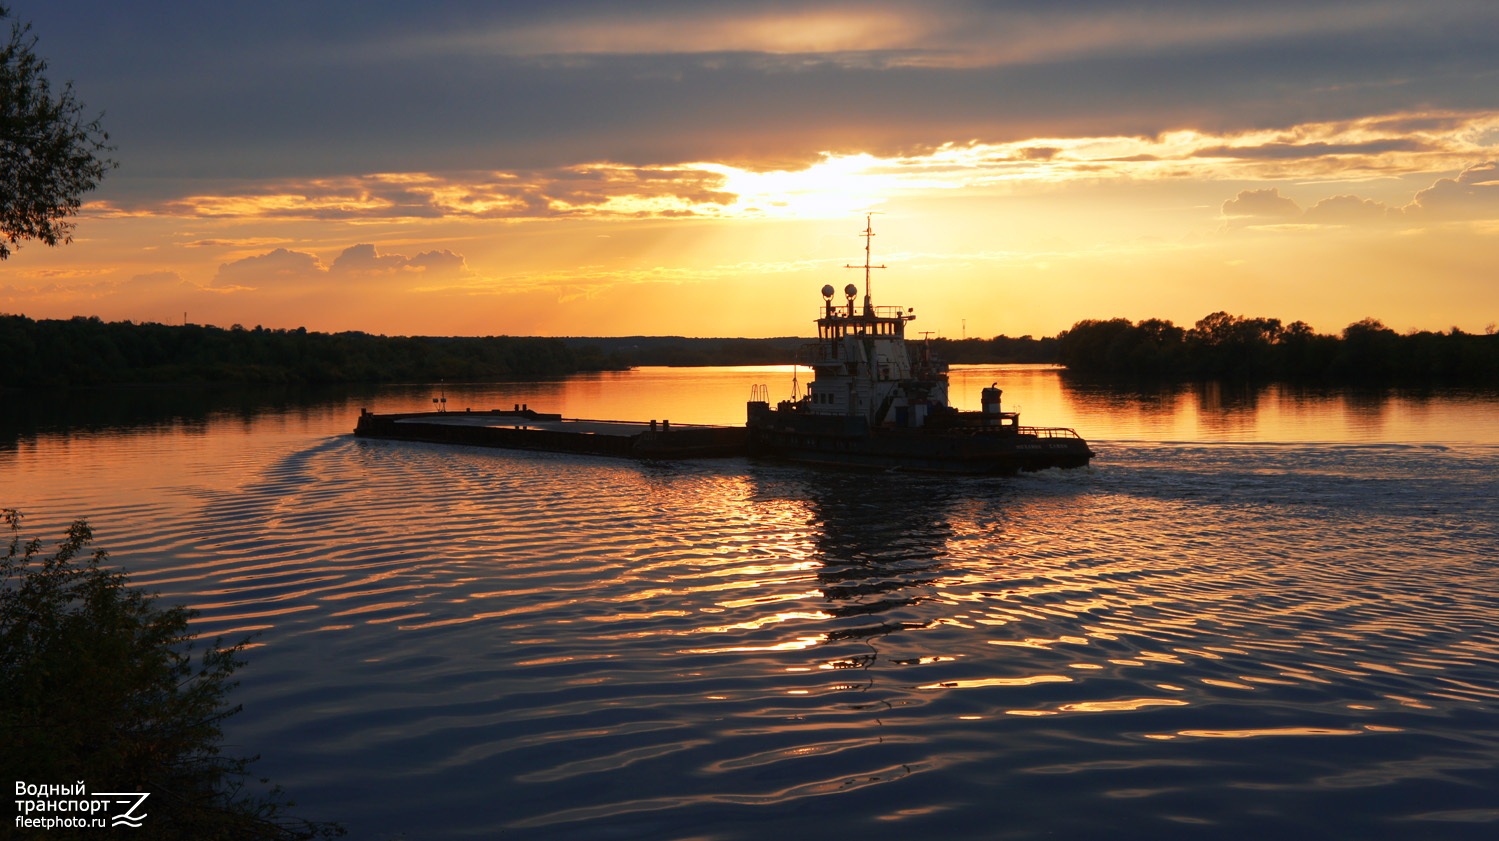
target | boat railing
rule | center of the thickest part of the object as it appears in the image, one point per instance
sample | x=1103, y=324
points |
x=860, y=314
x=1049, y=432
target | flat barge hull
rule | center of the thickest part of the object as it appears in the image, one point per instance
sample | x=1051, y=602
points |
x=844, y=443
x=529, y=430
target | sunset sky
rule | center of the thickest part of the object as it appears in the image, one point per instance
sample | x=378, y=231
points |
x=703, y=168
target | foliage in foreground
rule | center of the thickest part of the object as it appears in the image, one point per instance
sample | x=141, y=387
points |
x=100, y=685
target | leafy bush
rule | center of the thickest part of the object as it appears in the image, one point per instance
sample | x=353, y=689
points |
x=100, y=685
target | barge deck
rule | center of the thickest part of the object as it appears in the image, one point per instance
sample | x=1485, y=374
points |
x=526, y=429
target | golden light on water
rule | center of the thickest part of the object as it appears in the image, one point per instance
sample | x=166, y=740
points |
x=1122, y=705
x=1029, y=680
x=739, y=632
x=1266, y=733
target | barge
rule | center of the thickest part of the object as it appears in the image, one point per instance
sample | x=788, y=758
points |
x=872, y=403
x=522, y=428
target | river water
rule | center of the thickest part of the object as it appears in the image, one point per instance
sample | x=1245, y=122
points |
x=1260, y=611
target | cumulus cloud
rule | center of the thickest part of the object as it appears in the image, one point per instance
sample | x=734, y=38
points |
x=1261, y=205
x=1349, y=210
x=366, y=259
x=439, y=262
x=287, y=269
x=1474, y=194
x=282, y=267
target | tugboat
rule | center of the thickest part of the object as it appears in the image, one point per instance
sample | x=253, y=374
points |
x=872, y=404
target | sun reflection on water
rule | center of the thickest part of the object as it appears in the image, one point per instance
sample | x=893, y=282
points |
x=547, y=645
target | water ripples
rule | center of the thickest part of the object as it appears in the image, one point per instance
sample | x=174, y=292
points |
x=1214, y=639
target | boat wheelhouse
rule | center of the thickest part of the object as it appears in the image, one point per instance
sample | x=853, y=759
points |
x=873, y=402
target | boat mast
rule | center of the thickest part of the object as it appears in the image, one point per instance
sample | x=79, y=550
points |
x=868, y=238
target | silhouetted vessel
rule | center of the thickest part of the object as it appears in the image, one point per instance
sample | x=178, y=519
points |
x=871, y=403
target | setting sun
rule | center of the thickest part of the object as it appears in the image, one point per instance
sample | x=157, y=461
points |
x=704, y=173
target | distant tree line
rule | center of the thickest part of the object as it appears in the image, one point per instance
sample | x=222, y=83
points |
x=686, y=352
x=1230, y=346
x=1000, y=349
x=679, y=351
x=88, y=351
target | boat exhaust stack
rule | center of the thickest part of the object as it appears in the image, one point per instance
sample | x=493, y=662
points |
x=990, y=399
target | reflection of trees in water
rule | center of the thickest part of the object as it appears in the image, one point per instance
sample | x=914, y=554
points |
x=1228, y=408
x=121, y=409
x=1111, y=408
x=1149, y=396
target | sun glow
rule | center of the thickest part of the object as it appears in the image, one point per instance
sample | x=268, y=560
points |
x=1031, y=235
x=838, y=185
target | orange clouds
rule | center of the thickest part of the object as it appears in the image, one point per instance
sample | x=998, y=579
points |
x=1473, y=194
x=590, y=244
x=834, y=185
x=601, y=189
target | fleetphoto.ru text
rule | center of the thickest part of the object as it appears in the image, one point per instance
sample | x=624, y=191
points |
x=72, y=806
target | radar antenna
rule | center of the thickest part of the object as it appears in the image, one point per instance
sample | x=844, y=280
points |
x=868, y=237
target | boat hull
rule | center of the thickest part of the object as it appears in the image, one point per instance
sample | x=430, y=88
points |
x=528, y=430
x=848, y=442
